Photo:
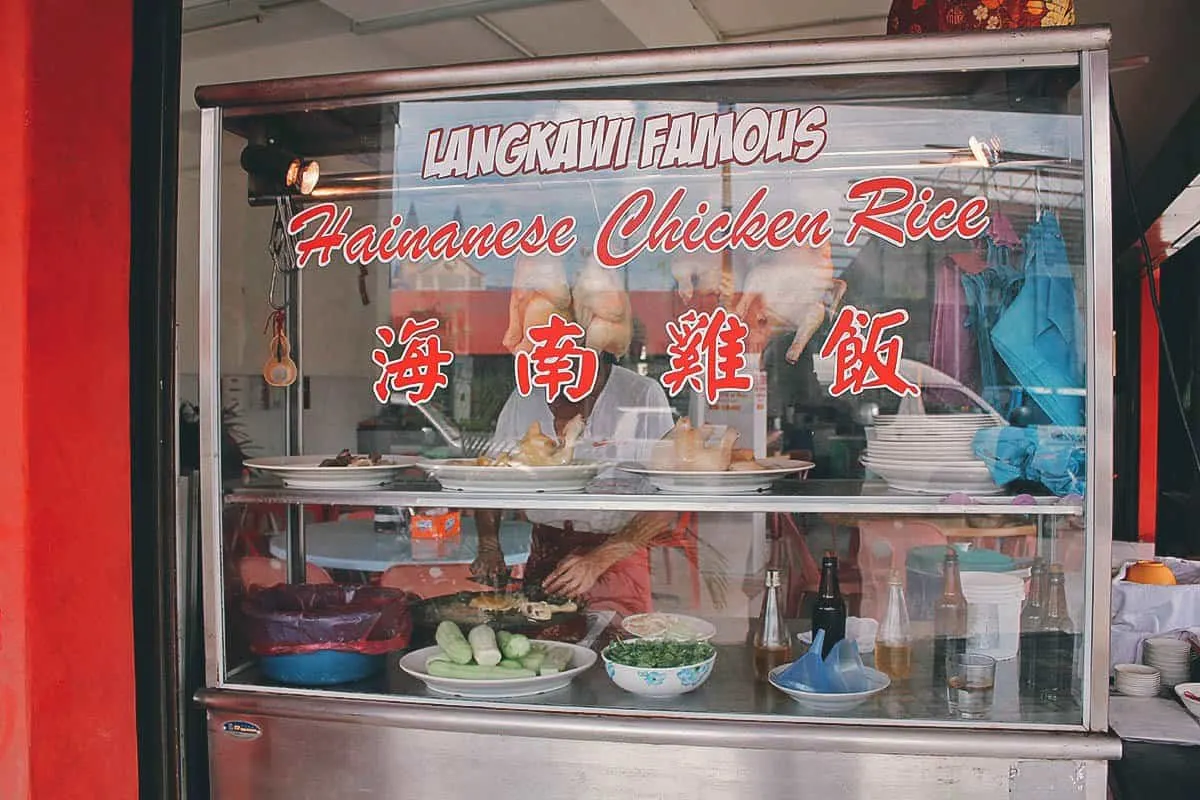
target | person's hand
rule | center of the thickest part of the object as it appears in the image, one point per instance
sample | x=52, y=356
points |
x=576, y=574
x=489, y=568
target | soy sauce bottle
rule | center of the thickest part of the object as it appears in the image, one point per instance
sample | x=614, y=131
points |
x=1056, y=642
x=829, y=613
x=1033, y=618
x=949, y=617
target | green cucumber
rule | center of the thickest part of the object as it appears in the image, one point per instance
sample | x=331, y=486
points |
x=534, y=660
x=513, y=645
x=450, y=638
x=557, y=659
x=448, y=669
x=483, y=646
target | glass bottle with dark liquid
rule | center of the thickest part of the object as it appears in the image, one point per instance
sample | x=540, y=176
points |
x=1033, y=617
x=829, y=613
x=1056, y=642
x=949, y=617
x=772, y=642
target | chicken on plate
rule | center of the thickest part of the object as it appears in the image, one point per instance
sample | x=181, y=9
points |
x=536, y=449
x=687, y=448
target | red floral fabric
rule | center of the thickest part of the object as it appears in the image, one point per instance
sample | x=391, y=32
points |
x=937, y=16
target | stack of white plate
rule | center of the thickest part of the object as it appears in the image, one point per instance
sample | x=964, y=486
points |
x=1171, y=657
x=929, y=453
x=1137, y=680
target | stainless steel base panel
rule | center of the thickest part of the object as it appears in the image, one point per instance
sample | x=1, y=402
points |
x=299, y=748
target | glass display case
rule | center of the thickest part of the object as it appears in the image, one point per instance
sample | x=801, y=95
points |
x=591, y=388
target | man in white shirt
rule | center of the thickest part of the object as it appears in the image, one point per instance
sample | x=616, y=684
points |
x=600, y=556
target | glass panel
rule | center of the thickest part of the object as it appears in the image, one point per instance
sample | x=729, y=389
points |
x=659, y=375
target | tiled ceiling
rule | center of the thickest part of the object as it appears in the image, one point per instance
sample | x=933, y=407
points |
x=247, y=39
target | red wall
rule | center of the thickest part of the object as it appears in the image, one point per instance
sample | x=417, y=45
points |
x=66, y=643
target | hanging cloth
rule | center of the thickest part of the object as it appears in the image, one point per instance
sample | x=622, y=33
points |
x=941, y=16
x=952, y=347
x=1039, y=336
x=988, y=294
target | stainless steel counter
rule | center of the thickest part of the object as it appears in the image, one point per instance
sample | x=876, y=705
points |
x=731, y=694
x=270, y=746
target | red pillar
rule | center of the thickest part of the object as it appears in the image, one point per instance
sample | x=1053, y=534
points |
x=67, y=726
x=1148, y=404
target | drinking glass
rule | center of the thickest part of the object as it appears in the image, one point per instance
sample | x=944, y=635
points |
x=970, y=685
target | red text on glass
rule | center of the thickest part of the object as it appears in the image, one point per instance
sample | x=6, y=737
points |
x=707, y=351
x=418, y=371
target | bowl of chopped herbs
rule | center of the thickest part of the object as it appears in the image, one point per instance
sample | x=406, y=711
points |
x=659, y=668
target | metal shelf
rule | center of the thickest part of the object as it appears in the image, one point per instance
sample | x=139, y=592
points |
x=816, y=497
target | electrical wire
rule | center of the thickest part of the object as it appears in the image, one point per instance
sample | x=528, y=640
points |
x=1148, y=265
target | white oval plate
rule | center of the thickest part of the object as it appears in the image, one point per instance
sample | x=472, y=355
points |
x=582, y=658
x=460, y=476
x=305, y=472
x=726, y=482
x=819, y=701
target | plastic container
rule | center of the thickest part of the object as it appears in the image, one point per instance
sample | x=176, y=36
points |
x=321, y=668
x=993, y=613
x=924, y=580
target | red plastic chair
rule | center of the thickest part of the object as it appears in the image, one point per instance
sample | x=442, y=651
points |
x=884, y=546
x=683, y=537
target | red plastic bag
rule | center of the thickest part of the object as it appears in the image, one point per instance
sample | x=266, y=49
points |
x=306, y=617
x=941, y=16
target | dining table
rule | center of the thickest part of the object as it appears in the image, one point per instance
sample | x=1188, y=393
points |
x=354, y=545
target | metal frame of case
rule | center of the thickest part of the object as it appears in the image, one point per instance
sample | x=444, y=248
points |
x=940, y=747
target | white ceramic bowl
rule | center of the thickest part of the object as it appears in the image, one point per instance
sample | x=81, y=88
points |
x=666, y=682
x=1136, y=680
x=828, y=701
x=1193, y=706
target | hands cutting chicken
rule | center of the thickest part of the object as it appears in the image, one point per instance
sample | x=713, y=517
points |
x=536, y=449
x=792, y=289
x=687, y=448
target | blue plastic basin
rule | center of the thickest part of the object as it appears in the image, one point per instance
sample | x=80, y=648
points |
x=322, y=668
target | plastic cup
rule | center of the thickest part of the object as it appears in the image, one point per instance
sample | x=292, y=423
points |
x=971, y=685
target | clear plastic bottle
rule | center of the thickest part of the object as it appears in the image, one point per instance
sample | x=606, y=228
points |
x=893, y=643
x=772, y=641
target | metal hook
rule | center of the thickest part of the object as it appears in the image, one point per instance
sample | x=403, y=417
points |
x=271, y=292
x=1037, y=194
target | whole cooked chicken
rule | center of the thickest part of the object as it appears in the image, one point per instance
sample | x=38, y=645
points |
x=697, y=274
x=602, y=307
x=795, y=288
x=536, y=449
x=686, y=448
x=539, y=289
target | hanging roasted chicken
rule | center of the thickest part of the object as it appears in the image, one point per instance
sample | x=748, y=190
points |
x=598, y=302
x=602, y=307
x=539, y=289
x=792, y=289
x=697, y=275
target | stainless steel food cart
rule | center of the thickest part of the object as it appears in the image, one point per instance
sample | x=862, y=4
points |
x=1039, y=100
